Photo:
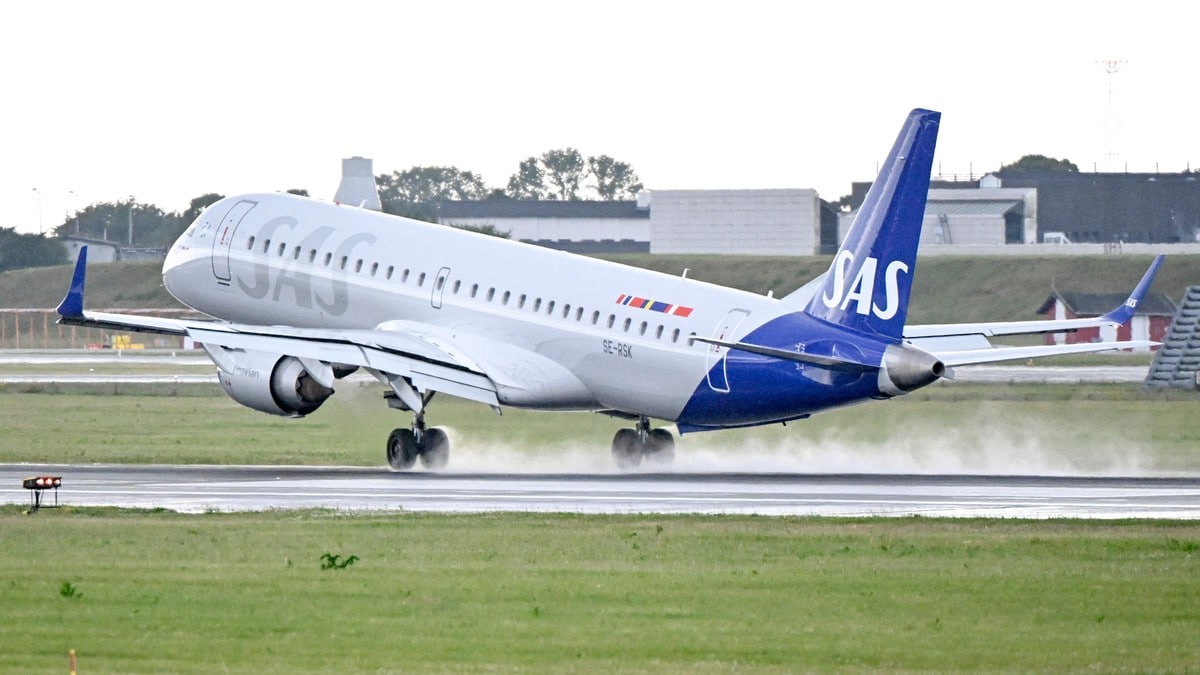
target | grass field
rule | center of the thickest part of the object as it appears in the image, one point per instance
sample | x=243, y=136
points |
x=320, y=591
x=1055, y=429
x=161, y=592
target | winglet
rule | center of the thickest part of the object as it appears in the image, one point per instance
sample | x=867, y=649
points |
x=71, y=306
x=1124, y=313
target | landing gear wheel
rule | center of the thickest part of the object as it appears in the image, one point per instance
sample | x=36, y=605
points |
x=435, y=449
x=627, y=449
x=402, y=449
x=660, y=448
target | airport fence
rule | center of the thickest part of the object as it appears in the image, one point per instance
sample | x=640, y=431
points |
x=39, y=329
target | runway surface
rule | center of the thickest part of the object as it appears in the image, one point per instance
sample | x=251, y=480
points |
x=243, y=488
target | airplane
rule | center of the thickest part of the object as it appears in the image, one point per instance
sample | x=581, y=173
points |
x=304, y=292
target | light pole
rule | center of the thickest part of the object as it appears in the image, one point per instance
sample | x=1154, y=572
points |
x=39, y=194
x=131, y=201
x=67, y=210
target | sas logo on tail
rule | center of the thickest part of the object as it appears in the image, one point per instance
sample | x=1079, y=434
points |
x=861, y=291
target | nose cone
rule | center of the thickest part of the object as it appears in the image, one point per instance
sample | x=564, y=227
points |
x=180, y=269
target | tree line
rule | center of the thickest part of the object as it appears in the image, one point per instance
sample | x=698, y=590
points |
x=555, y=175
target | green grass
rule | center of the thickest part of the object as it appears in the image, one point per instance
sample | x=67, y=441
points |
x=160, y=592
x=1095, y=429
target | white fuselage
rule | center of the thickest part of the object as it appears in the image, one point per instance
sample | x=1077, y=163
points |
x=555, y=330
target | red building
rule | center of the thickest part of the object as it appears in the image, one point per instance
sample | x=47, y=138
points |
x=1151, y=322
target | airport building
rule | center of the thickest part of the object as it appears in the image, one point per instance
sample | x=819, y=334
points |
x=748, y=222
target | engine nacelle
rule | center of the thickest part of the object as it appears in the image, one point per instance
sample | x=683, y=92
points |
x=278, y=385
x=906, y=368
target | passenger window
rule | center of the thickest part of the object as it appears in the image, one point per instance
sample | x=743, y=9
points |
x=391, y=268
x=611, y=319
x=404, y=277
x=296, y=253
x=521, y=302
x=658, y=332
x=628, y=321
x=421, y=280
x=441, y=283
x=642, y=329
x=282, y=248
x=374, y=268
x=474, y=289
x=491, y=294
x=595, y=317
x=345, y=259
x=266, y=245
x=358, y=266
x=312, y=255
x=250, y=243
x=675, y=335
x=328, y=259
x=537, y=304
x=504, y=299
x=579, y=314
x=566, y=311
x=550, y=307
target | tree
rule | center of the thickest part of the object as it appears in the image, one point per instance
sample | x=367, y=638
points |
x=18, y=251
x=559, y=174
x=415, y=192
x=529, y=182
x=148, y=224
x=613, y=179
x=564, y=172
x=1039, y=163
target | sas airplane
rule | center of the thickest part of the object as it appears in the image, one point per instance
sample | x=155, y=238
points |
x=305, y=292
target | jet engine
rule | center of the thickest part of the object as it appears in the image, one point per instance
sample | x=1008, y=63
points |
x=278, y=385
x=906, y=368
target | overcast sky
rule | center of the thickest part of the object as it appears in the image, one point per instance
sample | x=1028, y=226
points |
x=164, y=101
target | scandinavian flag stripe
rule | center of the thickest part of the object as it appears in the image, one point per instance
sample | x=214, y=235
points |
x=654, y=305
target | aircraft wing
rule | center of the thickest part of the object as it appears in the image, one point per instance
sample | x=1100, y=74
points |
x=967, y=343
x=404, y=353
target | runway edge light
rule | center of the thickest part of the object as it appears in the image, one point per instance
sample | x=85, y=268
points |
x=37, y=484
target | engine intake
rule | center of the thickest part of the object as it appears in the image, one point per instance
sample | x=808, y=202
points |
x=906, y=368
x=277, y=385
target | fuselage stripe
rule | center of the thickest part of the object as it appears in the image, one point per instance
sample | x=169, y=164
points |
x=654, y=305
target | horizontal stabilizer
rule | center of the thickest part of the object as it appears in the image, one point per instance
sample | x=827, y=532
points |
x=993, y=355
x=834, y=362
x=932, y=336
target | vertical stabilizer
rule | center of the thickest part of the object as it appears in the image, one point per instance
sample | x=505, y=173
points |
x=867, y=286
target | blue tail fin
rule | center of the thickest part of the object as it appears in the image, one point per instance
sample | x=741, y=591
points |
x=867, y=286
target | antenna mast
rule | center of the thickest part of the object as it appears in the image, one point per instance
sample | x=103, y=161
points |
x=1111, y=67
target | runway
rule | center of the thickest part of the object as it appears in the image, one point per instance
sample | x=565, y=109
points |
x=242, y=488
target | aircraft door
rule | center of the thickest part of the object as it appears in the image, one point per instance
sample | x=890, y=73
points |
x=223, y=239
x=439, y=287
x=718, y=375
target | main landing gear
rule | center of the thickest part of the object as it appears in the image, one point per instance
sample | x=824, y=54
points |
x=429, y=444
x=630, y=447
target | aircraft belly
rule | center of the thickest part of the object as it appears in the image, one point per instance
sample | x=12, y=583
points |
x=653, y=382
